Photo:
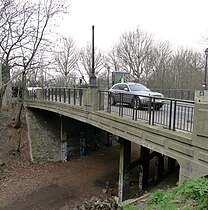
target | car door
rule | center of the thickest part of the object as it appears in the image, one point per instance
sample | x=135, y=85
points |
x=116, y=90
x=125, y=93
x=128, y=94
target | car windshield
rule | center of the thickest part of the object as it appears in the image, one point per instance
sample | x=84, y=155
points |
x=138, y=87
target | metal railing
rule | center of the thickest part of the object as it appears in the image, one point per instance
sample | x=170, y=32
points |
x=175, y=114
x=64, y=95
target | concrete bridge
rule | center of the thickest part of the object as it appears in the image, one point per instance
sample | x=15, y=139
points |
x=189, y=149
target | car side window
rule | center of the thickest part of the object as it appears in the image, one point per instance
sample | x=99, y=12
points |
x=125, y=87
x=120, y=87
x=116, y=87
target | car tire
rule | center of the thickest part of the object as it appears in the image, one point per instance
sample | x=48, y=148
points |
x=158, y=106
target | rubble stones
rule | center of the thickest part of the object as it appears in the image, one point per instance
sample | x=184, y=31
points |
x=103, y=202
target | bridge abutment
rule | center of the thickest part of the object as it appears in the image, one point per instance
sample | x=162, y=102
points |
x=44, y=136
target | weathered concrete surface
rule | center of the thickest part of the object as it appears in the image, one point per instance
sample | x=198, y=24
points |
x=44, y=136
x=201, y=96
x=190, y=150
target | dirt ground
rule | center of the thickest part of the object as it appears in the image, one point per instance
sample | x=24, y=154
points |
x=54, y=185
x=24, y=185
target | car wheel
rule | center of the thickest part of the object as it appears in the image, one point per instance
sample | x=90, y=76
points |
x=136, y=103
x=158, y=106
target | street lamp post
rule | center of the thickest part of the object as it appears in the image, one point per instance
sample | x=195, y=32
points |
x=92, y=76
x=108, y=76
x=205, y=73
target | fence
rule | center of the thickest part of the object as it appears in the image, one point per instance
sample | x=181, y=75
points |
x=175, y=114
x=65, y=95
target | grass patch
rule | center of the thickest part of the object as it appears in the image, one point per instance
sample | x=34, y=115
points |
x=190, y=195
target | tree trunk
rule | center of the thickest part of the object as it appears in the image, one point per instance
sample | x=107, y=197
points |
x=2, y=91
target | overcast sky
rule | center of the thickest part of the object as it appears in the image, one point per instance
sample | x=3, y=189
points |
x=181, y=22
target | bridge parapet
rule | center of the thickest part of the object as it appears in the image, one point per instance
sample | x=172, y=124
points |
x=200, y=131
x=201, y=96
x=93, y=99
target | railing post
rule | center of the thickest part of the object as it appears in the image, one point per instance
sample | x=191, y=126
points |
x=153, y=112
x=170, y=114
x=59, y=94
x=64, y=95
x=56, y=94
x=49, y=94
x=135, y=109
x=52, y=92
x=69, y=101
x=109, y=102
x=80, y=96
x=149, y=109
x=121, y=107
x=74, y=96
x=174, y=114
x=45, y=95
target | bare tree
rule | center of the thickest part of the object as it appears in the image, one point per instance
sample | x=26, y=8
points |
x=113, y=60
x=133, y=50
x=160, y=69
x=66, y=59
x=85, y=58
x=187, y=68
x=23, y=30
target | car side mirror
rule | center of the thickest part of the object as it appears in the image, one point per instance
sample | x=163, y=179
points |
x=126, y=89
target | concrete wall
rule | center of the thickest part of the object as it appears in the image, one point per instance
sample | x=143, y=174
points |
x=44, y=135
x=201, y=96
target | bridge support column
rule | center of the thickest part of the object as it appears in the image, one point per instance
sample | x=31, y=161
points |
x=124, y=169
x=160, y=166
x=145, y=159
x=171, y=165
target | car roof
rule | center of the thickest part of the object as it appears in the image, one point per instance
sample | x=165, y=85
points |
x=128, y=83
